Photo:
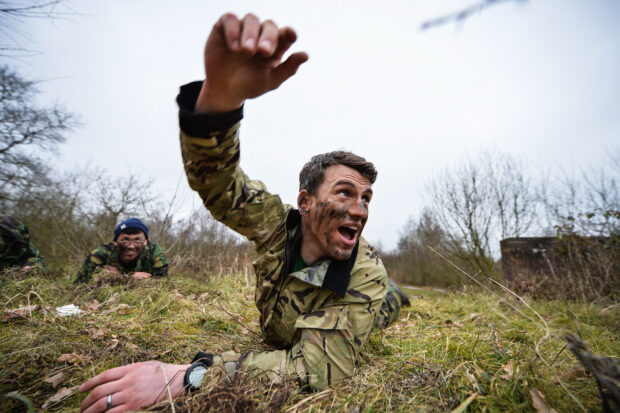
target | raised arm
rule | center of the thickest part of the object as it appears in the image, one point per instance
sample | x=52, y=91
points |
x=243, y=60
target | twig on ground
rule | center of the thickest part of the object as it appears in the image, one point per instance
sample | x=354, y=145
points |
x=315, y=397
x=163, y=370
x=239, y=322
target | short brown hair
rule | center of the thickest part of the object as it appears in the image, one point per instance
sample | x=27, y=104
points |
x=313, y=172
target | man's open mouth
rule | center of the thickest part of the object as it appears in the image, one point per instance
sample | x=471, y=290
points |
x=347, y=232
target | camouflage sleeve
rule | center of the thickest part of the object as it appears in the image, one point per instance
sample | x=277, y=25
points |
x=35, y=259
x=159, y=261
x=16, y=249
x=93, y=263
x=330, y=337
x=212, y=168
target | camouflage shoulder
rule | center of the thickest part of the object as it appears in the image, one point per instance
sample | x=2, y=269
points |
x=38, y=263
x=36, y=259
x=156, y=249
x=158, y=260
x=369, y=259
x=94, y=261
x=100, y=254
x=368, y=276
x=13, y=231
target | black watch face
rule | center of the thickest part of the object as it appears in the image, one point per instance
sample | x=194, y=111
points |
x=196, y=375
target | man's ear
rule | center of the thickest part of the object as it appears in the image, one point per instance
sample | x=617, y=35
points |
x=115, y=243
x=304, y=202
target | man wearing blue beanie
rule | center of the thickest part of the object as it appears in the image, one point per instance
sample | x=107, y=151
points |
x=131, y=253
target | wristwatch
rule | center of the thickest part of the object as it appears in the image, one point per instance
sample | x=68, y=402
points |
x=195, y=373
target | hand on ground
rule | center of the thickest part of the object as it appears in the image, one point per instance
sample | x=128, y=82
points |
x=111, y=269
x=133, y=386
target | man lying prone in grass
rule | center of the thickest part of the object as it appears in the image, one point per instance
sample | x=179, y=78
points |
x=321, y=288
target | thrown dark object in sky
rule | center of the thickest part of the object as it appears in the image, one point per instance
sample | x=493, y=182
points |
x=606, y=371
x=463, y=14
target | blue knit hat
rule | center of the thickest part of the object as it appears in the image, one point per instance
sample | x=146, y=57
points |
x=130, y=223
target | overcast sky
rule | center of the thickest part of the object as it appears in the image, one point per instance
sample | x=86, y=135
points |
x=538, y=79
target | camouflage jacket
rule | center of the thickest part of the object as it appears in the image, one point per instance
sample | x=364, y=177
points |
x=320, y=316
x=153, y=260
x=16, y=249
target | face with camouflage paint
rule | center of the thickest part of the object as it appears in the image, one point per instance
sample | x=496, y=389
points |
x=130, y=246
x=333, y=218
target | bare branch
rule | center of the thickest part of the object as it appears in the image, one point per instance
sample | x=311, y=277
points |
x=462, y=15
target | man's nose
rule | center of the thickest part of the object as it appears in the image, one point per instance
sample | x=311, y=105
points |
x=358, y=210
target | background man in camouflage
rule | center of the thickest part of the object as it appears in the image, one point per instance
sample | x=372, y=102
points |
x=131, y=252
x=321, y=288
x=16, y=249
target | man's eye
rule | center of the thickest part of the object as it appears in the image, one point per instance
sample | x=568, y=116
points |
x=343, y=192
x=366, y=199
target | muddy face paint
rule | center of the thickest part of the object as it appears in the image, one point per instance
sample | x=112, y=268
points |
x=337, y=213
x=130, y=249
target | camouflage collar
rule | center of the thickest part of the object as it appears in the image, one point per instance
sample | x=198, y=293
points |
x=333, y=275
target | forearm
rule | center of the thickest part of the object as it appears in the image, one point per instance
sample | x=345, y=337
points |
x=212, y=101
x=37, y=262
x=160, y=271
x=320, y=359
x=87, y=270
x=209, y=145
x=211, y=160
x=159, y=262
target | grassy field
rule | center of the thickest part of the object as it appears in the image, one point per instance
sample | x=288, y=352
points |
x=464, y=351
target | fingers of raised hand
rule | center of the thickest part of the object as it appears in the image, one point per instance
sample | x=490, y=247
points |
x=229, y=27
x=287, y=68
x=268, y=39
x=249, y=34
x=286, y=37
x=250, y=30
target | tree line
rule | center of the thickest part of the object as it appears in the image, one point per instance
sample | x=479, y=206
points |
x=468, y=207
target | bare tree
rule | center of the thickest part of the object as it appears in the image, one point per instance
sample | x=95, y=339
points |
x=26, y=131
x=13, y=13
x=112, y=199
x=513, y=196
x=586, y=203
x=414, y=261
x=479, y=202
x=460, y=200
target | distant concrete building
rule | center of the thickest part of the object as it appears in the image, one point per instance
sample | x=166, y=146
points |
x=569, y=266
x=525, y=257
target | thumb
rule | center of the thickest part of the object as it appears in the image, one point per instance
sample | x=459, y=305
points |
x=286, y=69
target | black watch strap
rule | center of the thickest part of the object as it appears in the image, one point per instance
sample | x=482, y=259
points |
x=206, y=358
x=201, y=359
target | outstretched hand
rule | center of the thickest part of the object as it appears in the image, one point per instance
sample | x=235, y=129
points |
x=243, y=59
x=133, y=386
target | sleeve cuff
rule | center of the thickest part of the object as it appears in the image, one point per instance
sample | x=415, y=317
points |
x=202, y=124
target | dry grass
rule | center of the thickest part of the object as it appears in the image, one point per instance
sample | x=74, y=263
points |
x=481, y=350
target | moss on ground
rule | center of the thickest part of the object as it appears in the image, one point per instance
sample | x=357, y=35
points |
x=448, y=349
